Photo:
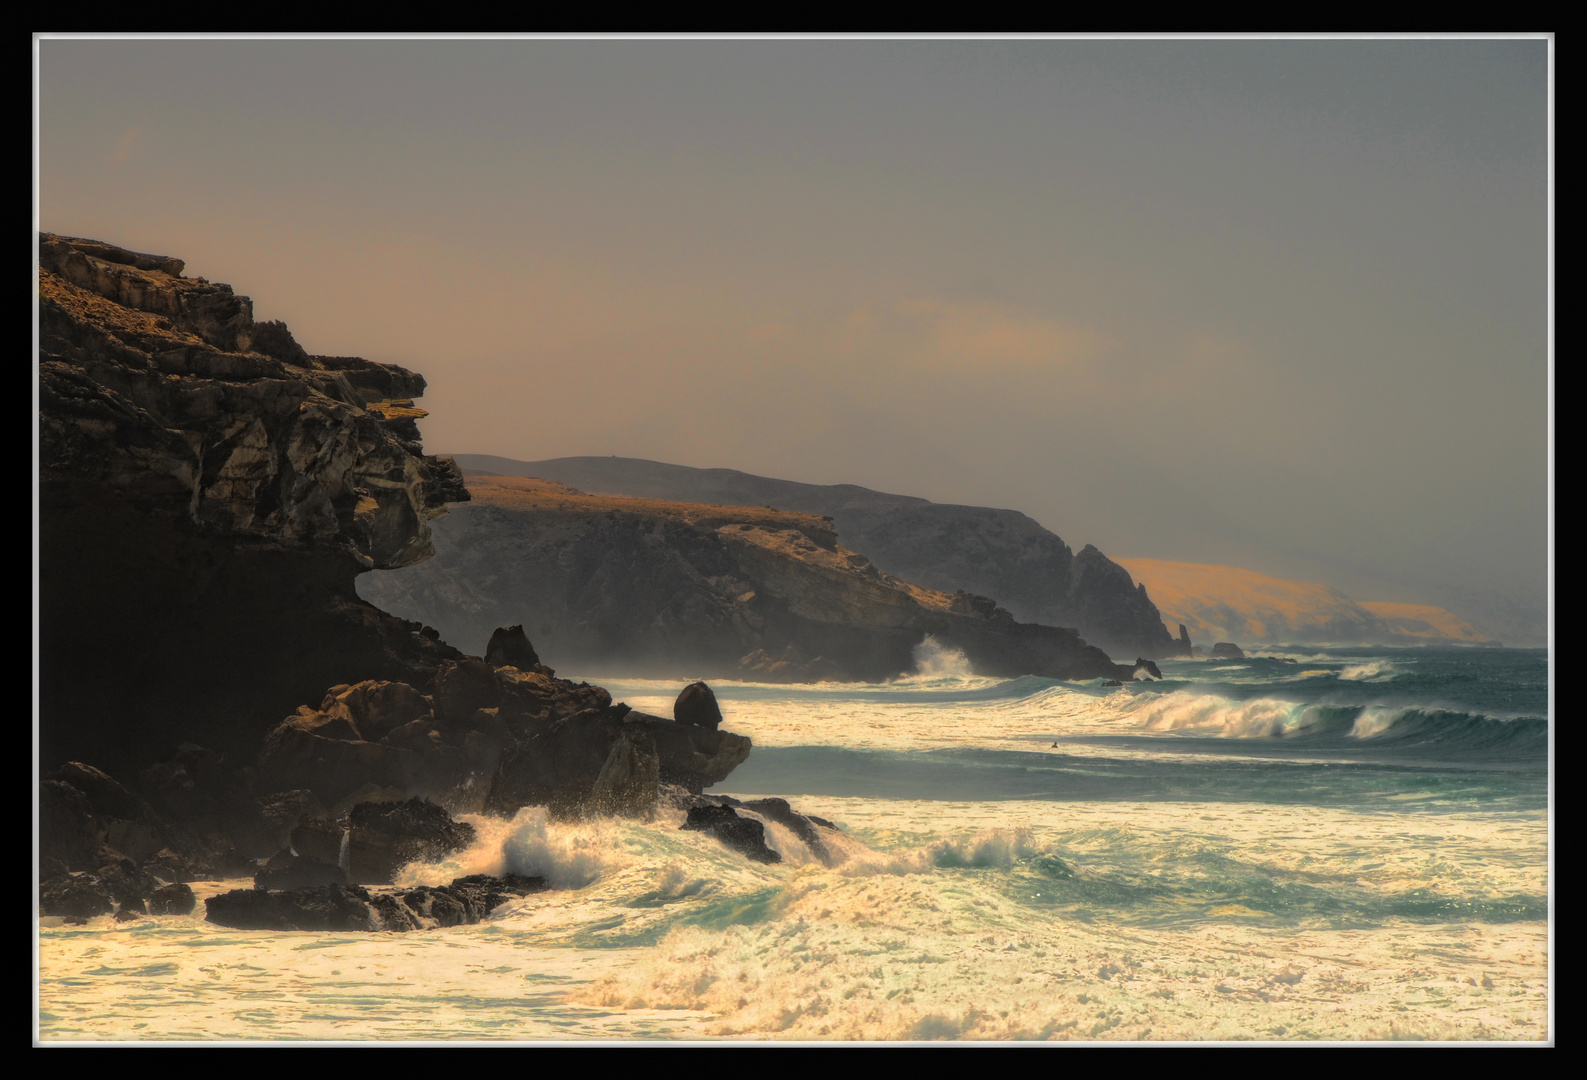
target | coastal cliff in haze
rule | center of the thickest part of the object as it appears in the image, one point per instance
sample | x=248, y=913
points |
x=648, y=586
x=1228, y=603
x=1002, y=554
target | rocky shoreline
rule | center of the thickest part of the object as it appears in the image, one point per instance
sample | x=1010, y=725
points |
x=209, y=491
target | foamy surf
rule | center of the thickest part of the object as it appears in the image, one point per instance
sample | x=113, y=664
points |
x=1299, y=856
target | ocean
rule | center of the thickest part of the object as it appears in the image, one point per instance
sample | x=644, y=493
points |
x=1306, y=844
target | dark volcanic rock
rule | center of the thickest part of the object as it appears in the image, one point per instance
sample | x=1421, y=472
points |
x=697, y=705
x=1142, y=664
x=509, y=647
x=204, y=508
x=1227, y=650
x=329, y=907
x=463, y=688
x=387, y=836
x=804, y=828
x=68, y=830
x=76, y=896
x=377, y=708
x=351, y=907
x=278, y=813
x=174, y=899
x=743, y=835
x=298, y=872
x=320, y=838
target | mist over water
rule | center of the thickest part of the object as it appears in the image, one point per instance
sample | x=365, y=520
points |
x=1350, y=846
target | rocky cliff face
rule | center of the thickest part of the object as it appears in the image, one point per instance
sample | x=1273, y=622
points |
x=208, y=492
x=998, y=553
x=647, y=586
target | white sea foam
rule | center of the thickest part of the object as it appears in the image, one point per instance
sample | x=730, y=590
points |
x=1185, y=710
x=1372, y=671
x=570, y=855
x=1375, y=720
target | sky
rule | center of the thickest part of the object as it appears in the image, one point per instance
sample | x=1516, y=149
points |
x=1277, y=304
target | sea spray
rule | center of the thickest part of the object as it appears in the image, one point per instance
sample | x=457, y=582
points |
x=934, y=661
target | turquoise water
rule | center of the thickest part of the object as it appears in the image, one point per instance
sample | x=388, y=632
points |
x=1351, y=846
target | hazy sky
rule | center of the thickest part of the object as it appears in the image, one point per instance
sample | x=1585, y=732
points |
x=1276, y=304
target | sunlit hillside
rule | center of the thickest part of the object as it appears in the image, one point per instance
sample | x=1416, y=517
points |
x=1227, y=603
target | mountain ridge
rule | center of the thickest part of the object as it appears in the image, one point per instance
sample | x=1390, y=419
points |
x=1002, y=554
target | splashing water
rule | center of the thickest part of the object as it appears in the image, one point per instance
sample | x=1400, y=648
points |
x=934, y=660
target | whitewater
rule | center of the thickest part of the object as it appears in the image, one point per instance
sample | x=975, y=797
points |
x=1305, y=844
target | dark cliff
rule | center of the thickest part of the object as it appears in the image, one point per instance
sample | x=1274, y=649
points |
x=663, y=588
x=998, y=553
x=208, y=491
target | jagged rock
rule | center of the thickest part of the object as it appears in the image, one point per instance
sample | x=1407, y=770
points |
x=384, y=837
x=320, y=838
x=1227, y=650
x=174, y=899
x=68, y=830
x=509, y=647
x=697, y=705
x=692, y=756
x=329, y=907
x=376, y=708
x=208, y=492
x=1142, y=664
x=76, y=896
x=743, y=835
x=121, y=877
x=298, y=872
x=629, y=781
x=352, y=907
x=804, y=828
x=278, y=814
x=1186, y=649
x=462, y=689
x=82, y=808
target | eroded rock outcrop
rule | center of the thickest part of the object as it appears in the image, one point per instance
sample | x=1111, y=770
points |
x=353, y=907
x=208, y=492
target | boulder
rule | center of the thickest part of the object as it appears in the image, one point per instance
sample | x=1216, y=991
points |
x=1227, y=650
x=75, y=896
x=464, y=687
x=629, y=781
x=804, y=828
x=319, y=838
x=329, y=907
x=743, y=835
x=278, y=814
x=1142, y=664
x=697, y=706
x=384, y=837
x=509, y=647
x=377, y=708
x=68, y=830
x=174, y=899
x=352, y=907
